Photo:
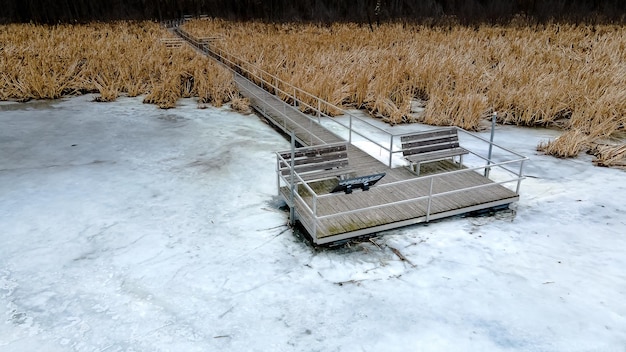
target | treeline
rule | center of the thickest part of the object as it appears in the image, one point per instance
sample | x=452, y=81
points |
x=370, y=11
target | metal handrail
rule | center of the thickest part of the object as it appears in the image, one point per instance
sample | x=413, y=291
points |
x=237, y=65
x=225, y=55
x=236, y=62
x=286, y=117
x=428, y=196
x=276, y=88
x=231, y=60
x=315, y=197
x=495, y=145
x=224, y=59
x=422, y=178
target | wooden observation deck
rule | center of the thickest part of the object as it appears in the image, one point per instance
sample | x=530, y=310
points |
x=325, y=161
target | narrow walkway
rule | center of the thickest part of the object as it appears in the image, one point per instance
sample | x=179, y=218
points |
x=307, y=132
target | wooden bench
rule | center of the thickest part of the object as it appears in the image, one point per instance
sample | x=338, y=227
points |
x=317, y=162
x=430, y=146
x=172, y=42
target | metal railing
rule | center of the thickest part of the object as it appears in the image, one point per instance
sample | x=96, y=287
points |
x=296, y=97
x=304, y=101
x=255, y=75
x=309, y=203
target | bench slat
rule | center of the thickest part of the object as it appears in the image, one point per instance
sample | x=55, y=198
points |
x=429, y=135
x=321, y=167
x=326, y=174
x=314, y=159
x=313, y=151
x=416, y=148
x=437, y=155
x=433, y=140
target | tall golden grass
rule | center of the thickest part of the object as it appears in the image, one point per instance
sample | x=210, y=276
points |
x=47, y=62
x=569, y=76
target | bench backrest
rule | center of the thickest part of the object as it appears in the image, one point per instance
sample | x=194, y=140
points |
x=314, y=159
x=172, y=42
x=430, y=141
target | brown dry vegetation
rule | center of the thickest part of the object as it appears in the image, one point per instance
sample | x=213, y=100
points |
x=47, y=62
x=569, y=76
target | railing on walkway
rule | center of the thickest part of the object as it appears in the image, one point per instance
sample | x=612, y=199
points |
x=506, y=169
x=296, y=97
x=300, y=99
x=255, y=75
x=503, y=167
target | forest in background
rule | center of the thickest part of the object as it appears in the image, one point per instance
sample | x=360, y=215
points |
x=325, y=11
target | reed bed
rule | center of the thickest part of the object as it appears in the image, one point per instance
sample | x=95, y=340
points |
x=609, y=155
x=48, y=62
x=569, y=76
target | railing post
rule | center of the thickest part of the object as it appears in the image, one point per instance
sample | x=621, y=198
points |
x=315, y=220
x=519, y=176
x=319, y=111
x=493, y=130
x=350, y=131
x=278, y=173
x=430, y=199
x=264, y=110
x=283, y=117
x=390, y=149
x=292, y=210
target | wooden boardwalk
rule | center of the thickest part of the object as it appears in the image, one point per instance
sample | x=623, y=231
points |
x=306, y=131
x=399, y=199
x=387, y=205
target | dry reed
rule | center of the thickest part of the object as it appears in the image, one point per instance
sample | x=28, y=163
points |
x=609, y=155
x=569, y=76
x=47, y=62
x=241, y=105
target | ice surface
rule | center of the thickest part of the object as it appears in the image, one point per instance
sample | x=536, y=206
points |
x=129, y=228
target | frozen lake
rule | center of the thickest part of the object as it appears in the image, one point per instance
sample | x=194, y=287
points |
x=129, y=228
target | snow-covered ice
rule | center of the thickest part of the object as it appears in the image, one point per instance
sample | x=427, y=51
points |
x=128, y=228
